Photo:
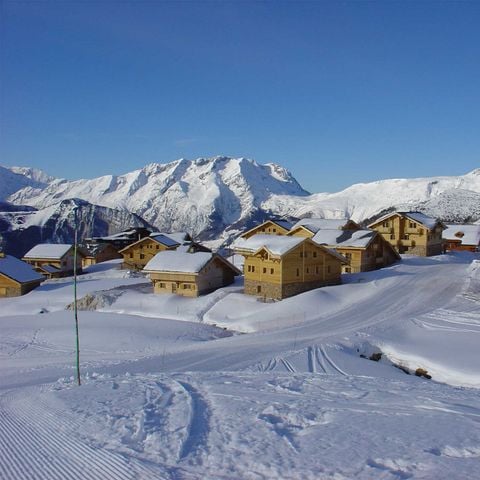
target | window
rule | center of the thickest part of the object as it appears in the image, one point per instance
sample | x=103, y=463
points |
x=411, y=224
x=249, y=268
x=272, y=271
x=274, y=230
x=259, y=289
x=301, y=254
x=328, y=268
x=314, y=254
x=158, y=247
x=385, y=224
x=131, y=254
x=253, y=268
x=392, y=237
x=162, y=285
x=308, y=270
x=348, y=256
x=187, y=286
x=298, y=272
x=316, y=270
x=142, y=256
x=348, y=270
x=264, y=270
x=406, y=236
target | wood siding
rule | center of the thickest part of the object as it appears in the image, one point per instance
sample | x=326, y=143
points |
x=266, y=228
x=214, y=275
x=12, y=288
x=305, y=267
x=136, y=256
x=408, y=236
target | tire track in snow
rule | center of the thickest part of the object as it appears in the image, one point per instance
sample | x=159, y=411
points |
x=199, y=425
x=43, y=445
x=331, y=362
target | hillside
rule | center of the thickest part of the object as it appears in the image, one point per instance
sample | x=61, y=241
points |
x=168, y=393
x=218, y=197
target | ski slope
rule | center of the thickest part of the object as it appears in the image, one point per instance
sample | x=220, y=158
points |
x=228, y=387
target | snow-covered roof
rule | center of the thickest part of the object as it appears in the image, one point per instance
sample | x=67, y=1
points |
x=178, y=237
x=18, y=270
x=425, y=220
x=344, y=238
x=48, y=250
x=174, y=261
x=284, y=224
x=471, y=234
x=49, y=268
x=276, y=244
x=164, y=240
x=316, y=224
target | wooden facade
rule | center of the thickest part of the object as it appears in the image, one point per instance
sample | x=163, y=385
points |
x=411, y=232
x=99, y=253
x=279, y=273
x=54, y=265
x=17, y=277
x=364, y=250
x=138, y=254
x=270, y=227
x=211, y=273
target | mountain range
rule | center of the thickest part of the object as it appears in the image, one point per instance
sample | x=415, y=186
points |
x=212, y=198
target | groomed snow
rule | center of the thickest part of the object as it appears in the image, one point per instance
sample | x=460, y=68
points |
x=168, y=393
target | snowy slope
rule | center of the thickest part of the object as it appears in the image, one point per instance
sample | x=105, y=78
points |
x=168, y=395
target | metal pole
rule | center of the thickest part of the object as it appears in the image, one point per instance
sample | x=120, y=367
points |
x=75, y=300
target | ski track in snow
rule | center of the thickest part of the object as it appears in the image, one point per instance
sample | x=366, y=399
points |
x=50, y=448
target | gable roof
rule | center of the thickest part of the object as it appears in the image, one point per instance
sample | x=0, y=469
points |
x=286, y=225
x=345, y=238
x=316, y=224
x=183, y=262
x=157, y=237
x=54, y=251
x=18, y=270
x=425, y=220
x=276, y=244
x=471, y=234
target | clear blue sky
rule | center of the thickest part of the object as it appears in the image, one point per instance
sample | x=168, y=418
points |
x=337, y=92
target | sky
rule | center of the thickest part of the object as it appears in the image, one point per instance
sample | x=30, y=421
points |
x=338, y=92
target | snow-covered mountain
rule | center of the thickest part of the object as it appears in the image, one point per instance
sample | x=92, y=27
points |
x=217, y=197
x=203, y=196
x=21, y=229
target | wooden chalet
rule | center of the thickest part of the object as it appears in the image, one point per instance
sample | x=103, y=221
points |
x=411, y=232
x=307, y=227
x=189, y=274
x=462, y=237
x=138, y=254
x=98, y=253
x=277, y=267
x=364, y=249
x=270, y=227
x=119, y=240
x=54, y=260
x=17, y=277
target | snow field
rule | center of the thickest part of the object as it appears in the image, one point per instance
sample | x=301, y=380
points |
x=281, y=394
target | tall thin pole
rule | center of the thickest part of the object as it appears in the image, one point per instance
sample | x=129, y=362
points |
x=75, y=300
